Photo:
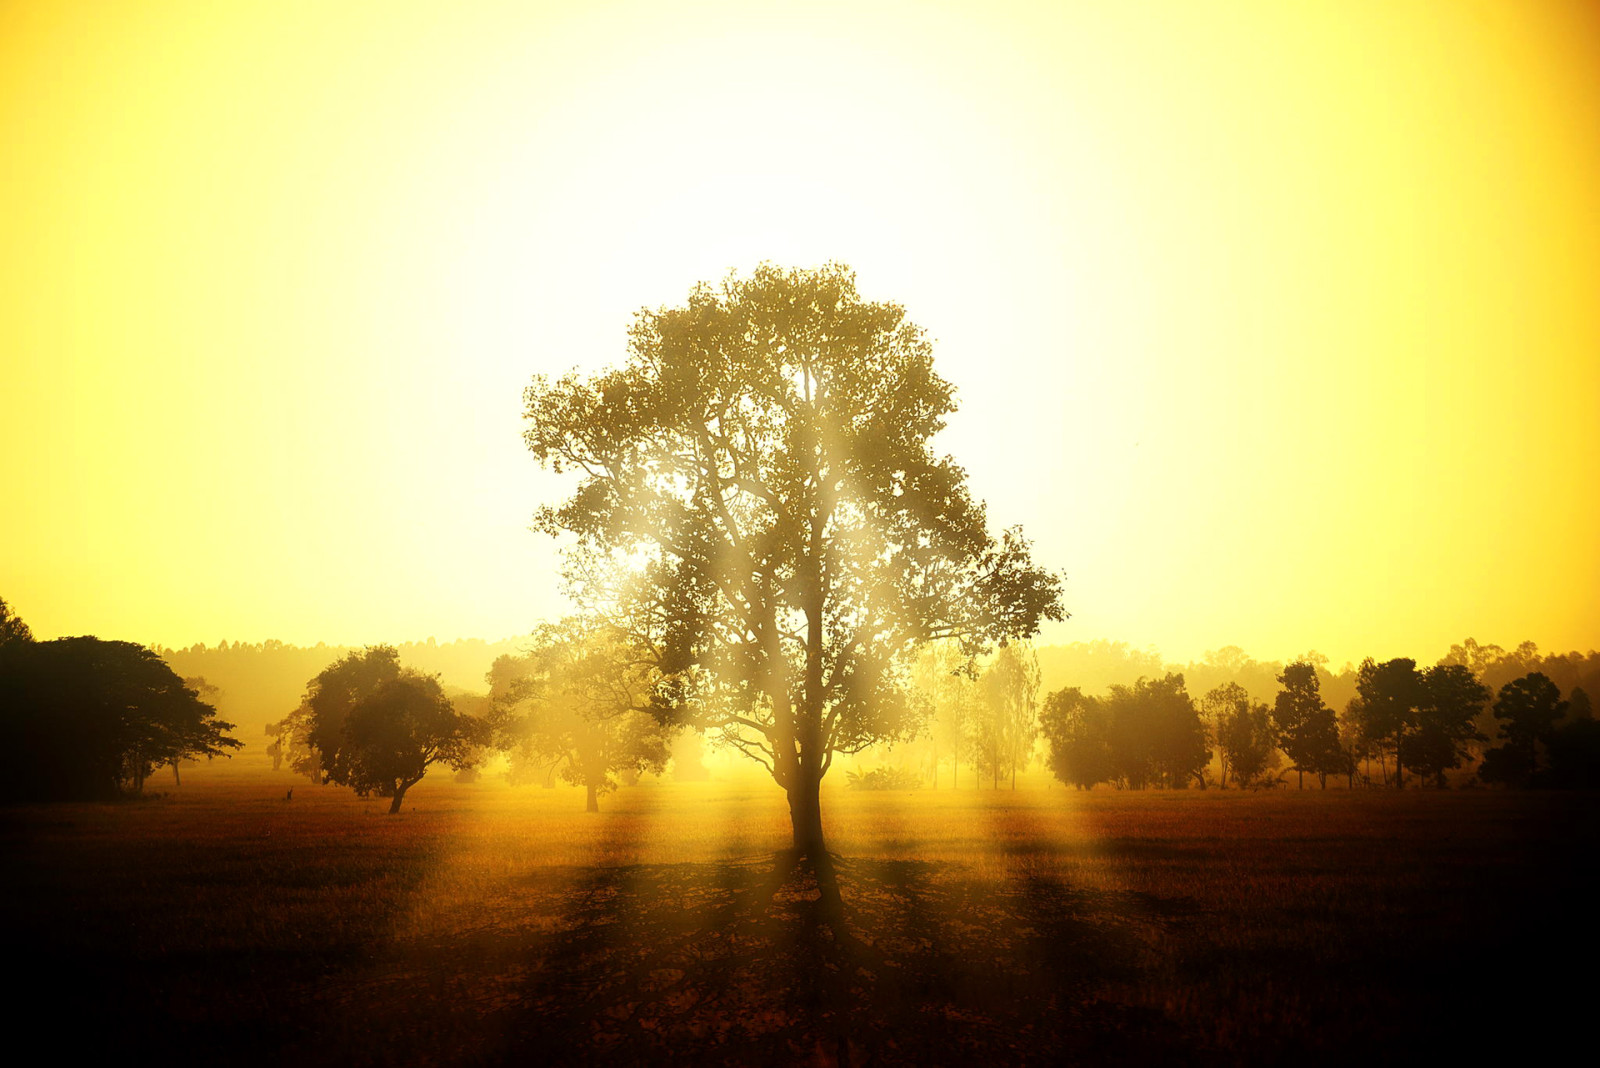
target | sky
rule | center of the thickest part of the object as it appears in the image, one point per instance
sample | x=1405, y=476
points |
x=1274, y=325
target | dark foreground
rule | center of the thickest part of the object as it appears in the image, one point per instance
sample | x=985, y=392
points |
x=224, y=923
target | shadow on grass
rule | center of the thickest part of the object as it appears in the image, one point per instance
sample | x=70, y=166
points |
x=749, y=961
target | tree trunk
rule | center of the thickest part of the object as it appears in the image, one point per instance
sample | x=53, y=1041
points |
x=399, y=796
x=592, y=802
x=805, y=814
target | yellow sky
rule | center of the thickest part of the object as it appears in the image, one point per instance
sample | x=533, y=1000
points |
x=1276, y=325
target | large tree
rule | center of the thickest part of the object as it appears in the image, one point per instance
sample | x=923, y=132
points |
x=760, y=507
x=376, y=726
x=95, y=718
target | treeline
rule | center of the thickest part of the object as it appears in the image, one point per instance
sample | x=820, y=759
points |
x=258, y=682
x=1116, y=715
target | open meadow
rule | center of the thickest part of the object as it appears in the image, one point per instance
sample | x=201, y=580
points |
x=494, y=924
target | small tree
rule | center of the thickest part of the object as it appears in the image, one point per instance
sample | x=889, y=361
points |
x=577, y=704
x=1307, y=729
x=292, y=741
x=377, y=727
x=943, y=679
x=1007, y=726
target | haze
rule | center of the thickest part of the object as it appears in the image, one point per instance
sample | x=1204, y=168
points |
x=1271, y=326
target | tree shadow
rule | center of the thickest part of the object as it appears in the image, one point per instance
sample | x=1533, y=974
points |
x=778, y=959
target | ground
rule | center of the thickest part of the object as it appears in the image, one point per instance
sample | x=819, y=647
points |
x=490, y=924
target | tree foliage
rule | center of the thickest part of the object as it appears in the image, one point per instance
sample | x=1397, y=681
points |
x=1078, y=729
x=96, y=717
x=1307, y=729
x=1528, y=710
x=1242, y=731
x=1007, y=723
x=1443, y=729
x=577, y=703
x=12, y=629
x=886, y=778
x=943, y=678
x=1156, y=733
x=1384, y=709
x=760, y=508
x=1147, y=734
x=375, y=726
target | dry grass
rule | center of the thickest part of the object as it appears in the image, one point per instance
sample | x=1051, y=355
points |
x=489, y=924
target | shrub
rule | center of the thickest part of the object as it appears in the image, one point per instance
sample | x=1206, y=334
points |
x=884, y=779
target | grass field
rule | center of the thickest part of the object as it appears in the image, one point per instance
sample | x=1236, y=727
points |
x=491, y=924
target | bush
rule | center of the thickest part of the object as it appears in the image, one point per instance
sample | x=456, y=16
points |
x=884, y=779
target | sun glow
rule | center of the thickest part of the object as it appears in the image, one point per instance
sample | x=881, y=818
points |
x=1284, y=312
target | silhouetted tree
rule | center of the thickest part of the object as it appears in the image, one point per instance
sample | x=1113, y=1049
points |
x=1242, y=731
x=376, y=726
x=97, y=717
x=1578, y=705
x=760, y=507
x=1575, y=747
x=1388, y=694
x=1156, y=734
x=578, y=703
x=292, y=736
x=1449, y=700
x=12, y=628
x=1307, y=728
x=1078, y=729
x=1527, y=710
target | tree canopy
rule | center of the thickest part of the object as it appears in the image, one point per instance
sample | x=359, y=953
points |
x=96, y=717
x=1078, y=729
x=12, y=628
x=375, y=726
x=1528, y=710
x=1385, y=706
x=577, y=703
x=1307, y=728
x=1242, y=731
x=760, y=507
